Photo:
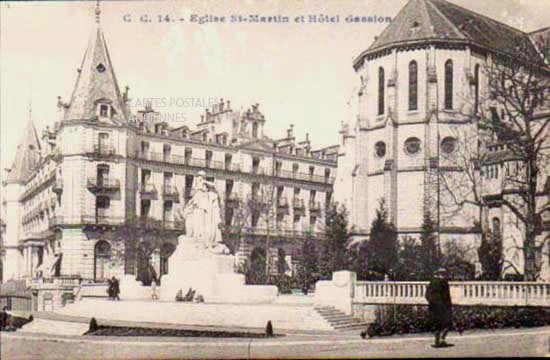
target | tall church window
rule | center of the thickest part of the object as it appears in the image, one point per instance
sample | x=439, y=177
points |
x=255, y=130
x=476, y=88
x=413, y=85
x=381, y=83
x=449, y=84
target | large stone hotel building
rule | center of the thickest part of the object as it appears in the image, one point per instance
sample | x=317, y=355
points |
x=72, y=185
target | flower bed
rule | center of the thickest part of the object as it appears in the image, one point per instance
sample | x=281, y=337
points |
x=408, y=319
x=139, y=331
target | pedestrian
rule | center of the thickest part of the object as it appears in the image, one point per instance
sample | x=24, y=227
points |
x=438, y=296
x=110, y=289
x=116, y=288
x=4, y=318
x=154, y=295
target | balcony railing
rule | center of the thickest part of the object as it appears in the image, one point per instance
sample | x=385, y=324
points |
x=170, y=192
x=285, y=174
x=314, y=206
x=55, y=220
x=57, y=186
x=275, y=232
x=186, y=160
x=103, y=150
x=148, y=191
x=101, y=185
x=232, y=200
x=102, y=218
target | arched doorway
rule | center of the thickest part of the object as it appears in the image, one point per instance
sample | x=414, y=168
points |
x=102, y=260
x=165, y=252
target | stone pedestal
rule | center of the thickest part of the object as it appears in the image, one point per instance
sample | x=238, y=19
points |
x=212, y=276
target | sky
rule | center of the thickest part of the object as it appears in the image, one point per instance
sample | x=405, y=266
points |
x=300, y=74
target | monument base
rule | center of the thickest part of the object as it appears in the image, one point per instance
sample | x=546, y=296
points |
x=211, y=276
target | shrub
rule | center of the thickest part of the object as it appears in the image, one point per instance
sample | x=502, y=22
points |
x=93, y=325
x=402, y=319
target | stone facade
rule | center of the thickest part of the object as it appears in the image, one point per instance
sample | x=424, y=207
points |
x=415, y=91
x=101, y=164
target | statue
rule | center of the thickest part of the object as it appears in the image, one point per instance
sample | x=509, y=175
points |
x=202, y=217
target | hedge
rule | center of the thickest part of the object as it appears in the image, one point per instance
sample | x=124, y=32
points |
x=408, y=319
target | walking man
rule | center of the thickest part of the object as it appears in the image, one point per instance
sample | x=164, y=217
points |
x=116, y=288
x=440, y=306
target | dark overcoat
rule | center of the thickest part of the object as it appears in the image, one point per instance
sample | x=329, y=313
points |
x=439, y=303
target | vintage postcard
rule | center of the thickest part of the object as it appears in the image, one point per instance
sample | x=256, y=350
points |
x=274, y=179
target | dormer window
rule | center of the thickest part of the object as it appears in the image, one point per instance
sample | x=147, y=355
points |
x=104, y=110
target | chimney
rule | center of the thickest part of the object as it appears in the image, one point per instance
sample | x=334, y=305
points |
x=221, y=105
x=228, y=105
x=289, y=131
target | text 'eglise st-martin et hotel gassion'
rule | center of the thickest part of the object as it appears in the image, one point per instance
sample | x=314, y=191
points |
x=100, y=165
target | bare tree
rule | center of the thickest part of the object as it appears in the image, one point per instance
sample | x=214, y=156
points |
x=512, y=119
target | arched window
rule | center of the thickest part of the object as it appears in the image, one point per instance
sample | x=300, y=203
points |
x=255, y=130
x=449, y=84
x=102, y=260
x=381, y=83
x=413, y=85
x=476, y=88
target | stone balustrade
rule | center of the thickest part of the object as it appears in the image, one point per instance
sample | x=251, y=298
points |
x=496, y=293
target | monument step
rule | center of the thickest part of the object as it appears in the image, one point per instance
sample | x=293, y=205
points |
x=54, y=327
x=338, y=320
x=282, y=316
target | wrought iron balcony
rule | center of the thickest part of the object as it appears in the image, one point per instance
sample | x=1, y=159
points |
x=314, y=207
x=232, y=201
x=55, y=221
x=102, y=218
x=148, y=191
x=103, y=185
x=299, y=207
x=170, y=193
x=58, y=186
x=282, y=206
x=103, y=150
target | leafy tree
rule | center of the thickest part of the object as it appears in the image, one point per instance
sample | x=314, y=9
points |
x=430, y=253
x=382, y=244
x=135, y=241
x=308, y=266
x=334, y=245
x=409, y=267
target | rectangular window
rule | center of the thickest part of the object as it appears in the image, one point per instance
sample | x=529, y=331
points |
x=255, y=165
x=228, y=159
x=208, y=157
x=295, y=168
x=166, y=152
x=188, y=155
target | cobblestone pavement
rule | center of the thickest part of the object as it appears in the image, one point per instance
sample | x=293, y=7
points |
x=527, y=342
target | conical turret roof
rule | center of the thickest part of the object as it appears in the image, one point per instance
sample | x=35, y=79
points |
x=96, y=81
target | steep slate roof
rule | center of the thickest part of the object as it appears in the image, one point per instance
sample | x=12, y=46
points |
x=26, y=157
x=93, y=85
x=429, y=20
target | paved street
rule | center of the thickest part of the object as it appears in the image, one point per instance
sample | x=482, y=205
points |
x=530, y=342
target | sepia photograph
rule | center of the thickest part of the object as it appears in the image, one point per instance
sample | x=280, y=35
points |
x=274, y=179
